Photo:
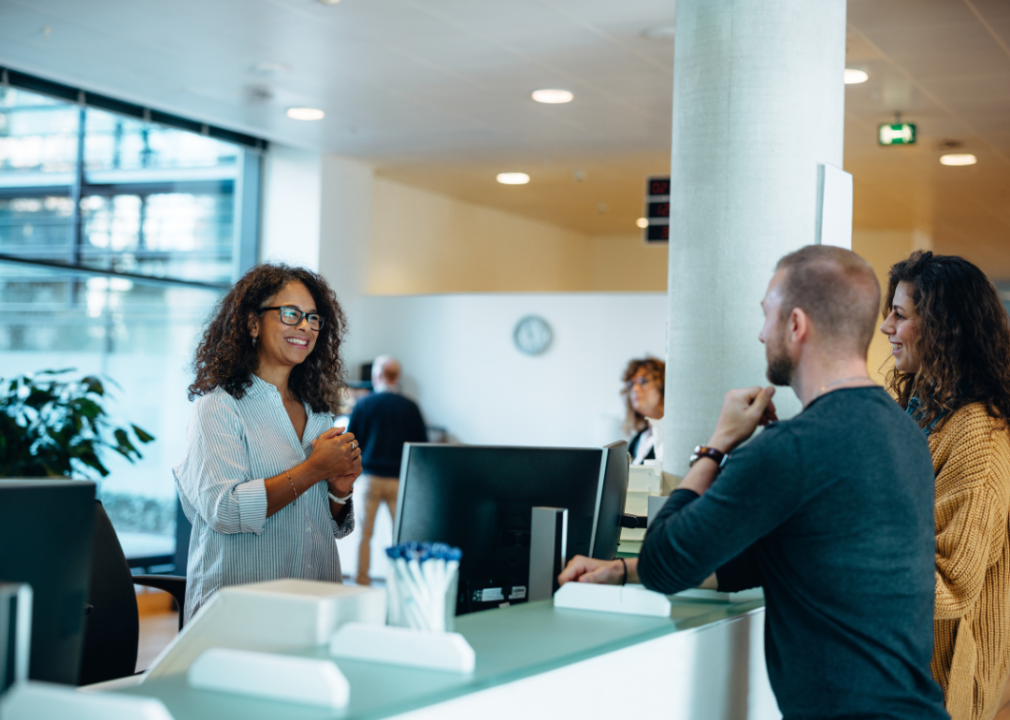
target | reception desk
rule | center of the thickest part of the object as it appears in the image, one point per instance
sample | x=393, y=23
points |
x=538, y=661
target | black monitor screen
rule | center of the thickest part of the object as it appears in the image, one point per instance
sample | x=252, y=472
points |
x=45, y=540
x=480, y=499
x=614, y=492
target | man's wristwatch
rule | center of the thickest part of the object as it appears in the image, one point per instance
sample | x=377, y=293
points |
x=340, y=501
x=701, y=451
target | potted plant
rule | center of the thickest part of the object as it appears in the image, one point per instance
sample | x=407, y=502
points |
x=55, y=427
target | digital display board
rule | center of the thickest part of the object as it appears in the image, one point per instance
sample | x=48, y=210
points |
x=656, y=228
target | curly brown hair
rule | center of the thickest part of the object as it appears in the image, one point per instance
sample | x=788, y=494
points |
x=634, y=421
x=964, y=338
x=226, y=357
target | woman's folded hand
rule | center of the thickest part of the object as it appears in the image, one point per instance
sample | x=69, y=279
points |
x=336, y=453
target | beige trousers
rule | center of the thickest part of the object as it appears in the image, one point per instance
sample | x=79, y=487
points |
x=377, y=490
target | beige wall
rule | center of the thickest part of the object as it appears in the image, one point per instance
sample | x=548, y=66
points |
x=623, y=263
x=423, y=242
x=883, y=248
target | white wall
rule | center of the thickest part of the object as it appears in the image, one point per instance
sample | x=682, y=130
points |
x=462, y=367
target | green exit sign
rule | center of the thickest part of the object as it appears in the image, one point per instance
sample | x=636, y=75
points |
x=896, y=134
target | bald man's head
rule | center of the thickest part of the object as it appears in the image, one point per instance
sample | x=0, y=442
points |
x=385, y=372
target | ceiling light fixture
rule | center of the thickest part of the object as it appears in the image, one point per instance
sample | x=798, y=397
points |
x=513, y=178
x=329, y=2
x=642, y=223
x=854, y=76
x=552, y=96
x=305, y=113
x=958, y=159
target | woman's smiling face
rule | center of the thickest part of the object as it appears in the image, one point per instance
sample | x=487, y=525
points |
x=902, y=329
x=280, y=344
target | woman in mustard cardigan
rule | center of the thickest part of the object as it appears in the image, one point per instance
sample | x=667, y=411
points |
x=950, y=338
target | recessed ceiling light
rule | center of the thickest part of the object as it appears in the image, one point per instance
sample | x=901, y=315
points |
x=642, y=223
x=659, y=32
x=854, y=76
x=552, y=96
x=305, y=113
x=958, y=159
x=513, y=178
x=329, y=2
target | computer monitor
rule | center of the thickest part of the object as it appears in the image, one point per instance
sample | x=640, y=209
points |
x=46, y=531
x=480, y=499
x=610, y=507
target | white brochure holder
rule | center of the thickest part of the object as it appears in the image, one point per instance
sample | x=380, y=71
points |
x=37, y=700
x=304, y=681
x=276, y=616
x=628, y=599
x=446, y=651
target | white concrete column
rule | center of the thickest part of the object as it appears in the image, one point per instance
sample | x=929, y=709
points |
x=292, y=187
x=758, y=101
x=345, y=236
x=317, y=213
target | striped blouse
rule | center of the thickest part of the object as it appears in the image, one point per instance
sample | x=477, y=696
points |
x=233, y=445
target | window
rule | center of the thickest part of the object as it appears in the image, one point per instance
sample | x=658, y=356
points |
x=117, y=237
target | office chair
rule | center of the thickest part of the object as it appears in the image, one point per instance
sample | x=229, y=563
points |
x=112, y=620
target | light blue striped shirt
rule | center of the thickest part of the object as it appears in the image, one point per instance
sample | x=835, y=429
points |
x=233, y=445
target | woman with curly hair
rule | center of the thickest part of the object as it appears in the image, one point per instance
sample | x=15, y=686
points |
x=643, y=392
x=950, y=338
x=266, y=480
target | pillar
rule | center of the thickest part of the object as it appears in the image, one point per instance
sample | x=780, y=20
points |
x=758, y=104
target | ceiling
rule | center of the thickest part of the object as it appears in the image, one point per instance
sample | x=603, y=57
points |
x=435, y=93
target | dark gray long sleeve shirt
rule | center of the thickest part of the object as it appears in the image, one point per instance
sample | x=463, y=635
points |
x=831, y=513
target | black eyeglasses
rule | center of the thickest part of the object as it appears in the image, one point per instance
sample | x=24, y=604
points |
x=641, y=380
x=293, y=316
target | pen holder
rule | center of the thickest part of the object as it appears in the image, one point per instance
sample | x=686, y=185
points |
x=421, y=586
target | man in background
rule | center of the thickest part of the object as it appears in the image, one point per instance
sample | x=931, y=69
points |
x=382, y=422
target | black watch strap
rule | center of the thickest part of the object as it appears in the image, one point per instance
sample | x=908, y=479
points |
x=701, y=451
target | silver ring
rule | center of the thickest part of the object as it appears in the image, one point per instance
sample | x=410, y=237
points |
x=354, y=444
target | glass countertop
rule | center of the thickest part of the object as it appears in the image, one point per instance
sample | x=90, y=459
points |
x=510, y=644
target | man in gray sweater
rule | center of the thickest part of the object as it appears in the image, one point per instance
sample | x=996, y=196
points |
x=831, y=512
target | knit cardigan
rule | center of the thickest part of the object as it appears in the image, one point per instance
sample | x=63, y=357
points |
x=971, y=652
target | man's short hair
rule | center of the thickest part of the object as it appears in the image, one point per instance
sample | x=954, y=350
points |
x=838, y=291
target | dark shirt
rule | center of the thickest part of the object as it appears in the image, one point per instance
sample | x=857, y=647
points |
x=382, y=423
x=831, y=513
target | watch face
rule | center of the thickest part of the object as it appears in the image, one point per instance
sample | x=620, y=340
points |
x=532, y=335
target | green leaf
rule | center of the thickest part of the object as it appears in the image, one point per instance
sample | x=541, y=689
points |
x=142, y=435
x=93, y=385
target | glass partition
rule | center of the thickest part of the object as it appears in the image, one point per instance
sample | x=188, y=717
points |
x=117, y=238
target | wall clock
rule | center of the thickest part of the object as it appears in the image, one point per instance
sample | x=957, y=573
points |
x=532, y=335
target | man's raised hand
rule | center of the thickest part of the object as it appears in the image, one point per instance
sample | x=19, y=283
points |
x=742, y=411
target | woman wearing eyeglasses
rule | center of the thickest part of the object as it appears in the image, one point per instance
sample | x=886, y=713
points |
x=267, y=479
x=643, y=391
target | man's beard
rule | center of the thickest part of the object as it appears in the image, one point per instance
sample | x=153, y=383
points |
x=780, y=365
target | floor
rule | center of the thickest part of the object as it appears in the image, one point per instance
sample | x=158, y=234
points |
x=157, y=630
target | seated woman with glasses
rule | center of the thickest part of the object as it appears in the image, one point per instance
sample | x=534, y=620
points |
x=266, y=480
x=644, y=382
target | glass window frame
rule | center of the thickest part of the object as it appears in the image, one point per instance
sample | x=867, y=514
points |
x=244, y=180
